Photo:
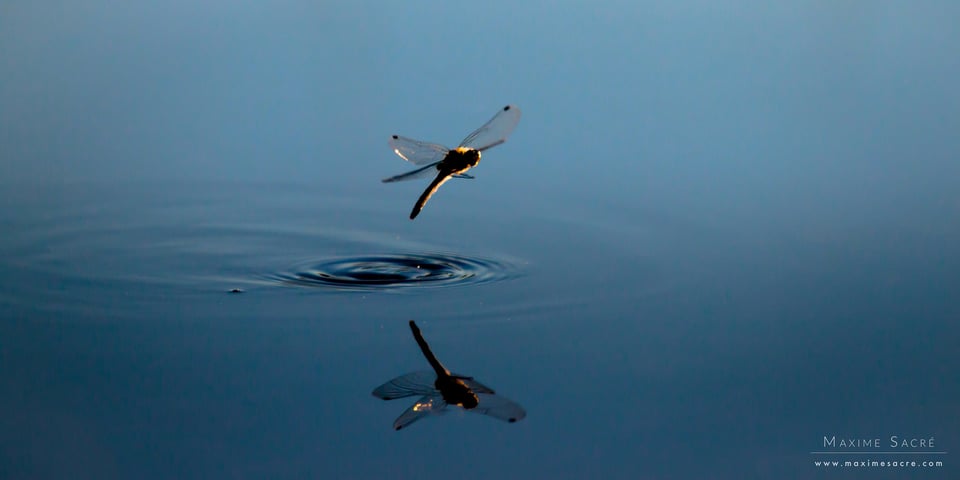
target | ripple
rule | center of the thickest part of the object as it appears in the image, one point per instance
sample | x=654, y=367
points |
x=392, y=271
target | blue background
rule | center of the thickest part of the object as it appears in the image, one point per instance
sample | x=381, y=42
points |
x=732, y=229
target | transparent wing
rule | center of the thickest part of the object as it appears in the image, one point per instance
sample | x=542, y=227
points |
x=495, y=131
x=498, y=407
x=416, y=383
x=428, y=404
x=474, y=385
x=417, y=152
x=422, y=172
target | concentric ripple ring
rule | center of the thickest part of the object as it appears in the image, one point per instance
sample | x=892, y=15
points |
x=391, y=271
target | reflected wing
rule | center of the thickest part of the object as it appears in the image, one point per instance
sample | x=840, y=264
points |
x=474, y=385
x=495, y=131
x=421, y=172
x=464, y=175
x=499, y=407
x=417, y=152
x=428, y=404
x=416, y=383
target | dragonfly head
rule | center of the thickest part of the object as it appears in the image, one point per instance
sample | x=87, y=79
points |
x=468, y=401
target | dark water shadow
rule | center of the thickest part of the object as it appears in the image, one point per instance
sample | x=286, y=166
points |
x=395, y=271
x=439, y=389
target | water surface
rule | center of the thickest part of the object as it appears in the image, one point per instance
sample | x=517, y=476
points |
x=716, y=236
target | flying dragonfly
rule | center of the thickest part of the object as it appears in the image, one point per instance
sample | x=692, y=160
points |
x=440, y=388
x=446, y=163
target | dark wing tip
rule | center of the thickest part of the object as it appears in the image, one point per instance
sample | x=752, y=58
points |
x=504, y=109
x=396, y=137
x=398, y=427
x=412, y=324
x=512, y=420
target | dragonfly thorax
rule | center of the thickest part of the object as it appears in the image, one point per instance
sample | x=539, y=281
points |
x=455, y=392
x=461, y=159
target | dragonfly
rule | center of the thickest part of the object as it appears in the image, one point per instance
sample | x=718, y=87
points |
x=439, y=388
x=445, y=163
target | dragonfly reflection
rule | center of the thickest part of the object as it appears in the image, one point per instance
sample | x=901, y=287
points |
x=446, y=163
x=440, y=388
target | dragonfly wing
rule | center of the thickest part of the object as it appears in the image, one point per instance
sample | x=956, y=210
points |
x=474, y=385
x=417, y=152
x=428, y=404
x=499, y=407
x=416, y=383
x=495, y=131
x=421, y=172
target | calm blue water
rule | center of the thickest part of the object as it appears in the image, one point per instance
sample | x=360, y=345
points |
x=718, y=235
